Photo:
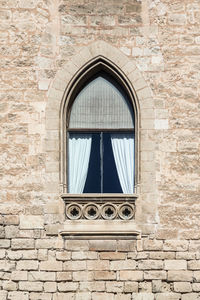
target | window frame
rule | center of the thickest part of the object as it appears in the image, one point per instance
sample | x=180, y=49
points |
x=94, y=229
x=76, y=85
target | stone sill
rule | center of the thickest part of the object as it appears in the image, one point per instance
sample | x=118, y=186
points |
x=99, y=229
x=99, y=197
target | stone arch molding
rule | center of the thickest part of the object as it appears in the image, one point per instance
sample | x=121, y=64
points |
x=144, y=106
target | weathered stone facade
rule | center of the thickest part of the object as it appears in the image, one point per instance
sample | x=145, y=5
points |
x=156, y=43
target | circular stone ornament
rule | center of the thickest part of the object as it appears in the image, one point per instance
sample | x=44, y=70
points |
x=91, y=211
x=73, y=211
x=109, y=211
x=126, y=211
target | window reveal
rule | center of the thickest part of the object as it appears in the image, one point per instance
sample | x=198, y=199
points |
x=101, y=139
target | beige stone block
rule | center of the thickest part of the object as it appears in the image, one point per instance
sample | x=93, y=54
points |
x=27, y=265
x=31, y=222
x=67, y=286
x=2, y=253
x=153, y=245
x=114, y=287
x=126, y=245
x=85, y=54
x=190, y=296
x=51, y=243
x=162, y=255
x=177, y=19
x=196, y=276
x=123, y=265
x=42, y=296
x=180, y=276
x=161, y=124
x=148, y=113
x=156, y=286
x=27, y=4
x=23, y=244
x=11, y=231
x=7, y=266
x=64, y=276
x=175, y=264
x=15, y=295
x=144, y=93
x=186, y=255
x=83, y=296
x=161, y=113
x=74, y=265
x=77, y=245
x=131, y=275
x=147, y=123
x=196, y=287
x=51, y=265
x=152, y=275
x=51, y=124
x=85, y=255
x=105, y=20
x=104, y=275
x=50, y=287
x=168, y=296
x=130, y=287
x=59, y=84
x=194, y=246
x=150, y=264
x=93, y=286
x=19, y=275
x=83, y=276
x=61, y=296
x=30, y=286
x=106, y=245
x=71, y=67
x=2, y=232
x=174, y=245
x=9, y=286
x=42, y=254
x=98, y=265
x=123, y=296
x=29, y=254
x=129, y=67
x=102, y=296
x=135, y=76
x=145, y=287
x=142, y=296
x=112, y=255
x=4, y=244
x=147, y=103
x=3, y=295
x=41, y=276
x=182, y=287
x=64, y=255
x=194, y=265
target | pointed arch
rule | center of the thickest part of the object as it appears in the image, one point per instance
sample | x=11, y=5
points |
x=92, y=58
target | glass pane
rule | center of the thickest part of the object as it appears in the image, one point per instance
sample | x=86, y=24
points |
x=102, y=103
x=93, y=181
x=111, y=182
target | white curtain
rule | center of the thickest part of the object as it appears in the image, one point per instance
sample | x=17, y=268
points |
x=123, y=150
x=79, y=154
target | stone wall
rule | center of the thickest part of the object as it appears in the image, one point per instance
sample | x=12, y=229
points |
x=35, y=267
x=37, y=38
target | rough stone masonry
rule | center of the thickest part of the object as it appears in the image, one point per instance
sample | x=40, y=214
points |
x=37, y=39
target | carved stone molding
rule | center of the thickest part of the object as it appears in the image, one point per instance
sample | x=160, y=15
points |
x=92, y=207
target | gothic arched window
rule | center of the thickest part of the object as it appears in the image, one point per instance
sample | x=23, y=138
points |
x=100, y=139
